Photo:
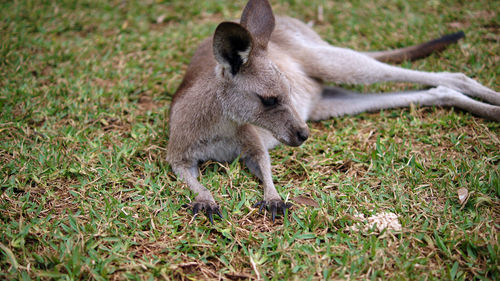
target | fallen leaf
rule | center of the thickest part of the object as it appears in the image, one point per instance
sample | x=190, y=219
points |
x=160, y=19
x=463, y=195
x=305, y=201
x=238, y=276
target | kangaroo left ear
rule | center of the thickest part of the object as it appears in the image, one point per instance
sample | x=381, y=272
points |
x=258, y=18
x=232, y=44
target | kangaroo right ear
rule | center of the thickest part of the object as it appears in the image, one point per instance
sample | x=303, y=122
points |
x=232, y=44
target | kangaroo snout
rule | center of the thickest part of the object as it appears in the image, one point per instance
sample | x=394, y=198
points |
x=302, y=135
x=299, y=136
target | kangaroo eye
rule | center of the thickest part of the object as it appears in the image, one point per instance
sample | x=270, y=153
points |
x=269, y=101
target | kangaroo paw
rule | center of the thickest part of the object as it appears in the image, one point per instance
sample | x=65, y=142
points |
x=210, y=208
x=274, y=206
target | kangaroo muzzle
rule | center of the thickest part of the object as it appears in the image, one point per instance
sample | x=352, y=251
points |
x=298, y=136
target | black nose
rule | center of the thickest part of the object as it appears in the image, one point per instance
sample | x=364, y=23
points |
x=302, y=135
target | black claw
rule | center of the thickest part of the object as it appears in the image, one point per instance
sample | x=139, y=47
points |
x=196, y=209
x=288, y=205
x=262, y=205
x=217, y=211
x=209, y=209
x=273, y=210
x=210, y=217
x=274, y=207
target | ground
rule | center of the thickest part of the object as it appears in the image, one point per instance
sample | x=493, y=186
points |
x=86, y=193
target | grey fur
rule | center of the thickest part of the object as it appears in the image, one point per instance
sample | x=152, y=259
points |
x=219, y=112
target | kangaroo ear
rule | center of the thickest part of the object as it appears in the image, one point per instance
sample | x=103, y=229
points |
x=258, y=18
x=232, y=45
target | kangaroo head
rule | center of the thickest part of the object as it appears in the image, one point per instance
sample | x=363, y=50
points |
x=252, y=89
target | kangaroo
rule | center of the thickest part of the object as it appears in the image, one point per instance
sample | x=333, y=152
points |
x=256, y=83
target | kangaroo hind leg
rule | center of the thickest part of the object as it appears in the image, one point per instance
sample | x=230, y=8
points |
x=337, y=102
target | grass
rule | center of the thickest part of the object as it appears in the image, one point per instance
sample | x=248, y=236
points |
x=86, y=192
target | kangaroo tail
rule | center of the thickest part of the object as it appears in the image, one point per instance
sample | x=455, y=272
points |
x=418, y=51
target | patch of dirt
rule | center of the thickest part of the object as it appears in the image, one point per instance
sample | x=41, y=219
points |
x=146, y=103
x=114, y=124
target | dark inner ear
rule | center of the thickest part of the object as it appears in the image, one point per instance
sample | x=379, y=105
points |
x=232, y=45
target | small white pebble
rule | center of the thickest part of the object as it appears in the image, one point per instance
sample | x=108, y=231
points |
x=385, y=220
